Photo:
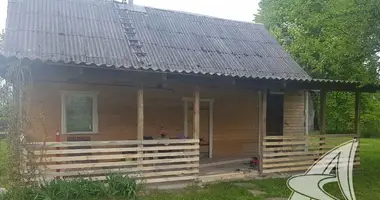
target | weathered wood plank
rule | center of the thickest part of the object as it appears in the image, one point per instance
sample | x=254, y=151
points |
x=117, y=156
x=294, y=153
x=133, y=173
x=196, y=120
x=114, y=143
x=293, y=169
x=113, y=150
x=115, y=165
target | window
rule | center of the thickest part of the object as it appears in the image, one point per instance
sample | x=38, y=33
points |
x=79, y=112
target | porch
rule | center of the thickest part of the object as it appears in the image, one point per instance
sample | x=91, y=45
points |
x=184, y=132
x=179, y=145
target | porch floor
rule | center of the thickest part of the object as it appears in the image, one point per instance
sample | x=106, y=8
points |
x=226, y=169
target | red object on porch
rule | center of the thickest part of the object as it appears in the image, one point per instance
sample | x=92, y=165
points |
x=255, y=161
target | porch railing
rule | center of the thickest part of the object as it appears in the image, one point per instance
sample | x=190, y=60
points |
x=150, y=161
x=284, y=154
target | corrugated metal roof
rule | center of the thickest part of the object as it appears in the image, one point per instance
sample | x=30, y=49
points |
x=94, y=32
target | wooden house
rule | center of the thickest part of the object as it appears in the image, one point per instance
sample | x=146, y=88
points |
x=163, y=94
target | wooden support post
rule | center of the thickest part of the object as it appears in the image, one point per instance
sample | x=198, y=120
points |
x=140, y=122
x=262, y=126
x=211, y=128
x=196, y=114
x=259, y=93
x=185, y=118
x=306, y=107
x=140, y=114
x=357, y=113
x=322, y=123
x=322, y=113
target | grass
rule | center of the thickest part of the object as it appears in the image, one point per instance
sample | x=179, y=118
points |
x=366, y=183
x=118, y=186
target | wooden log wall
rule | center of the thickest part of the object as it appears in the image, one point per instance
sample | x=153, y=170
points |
x=235, y=124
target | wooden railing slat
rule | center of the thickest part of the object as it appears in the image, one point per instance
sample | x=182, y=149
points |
x=160, y=160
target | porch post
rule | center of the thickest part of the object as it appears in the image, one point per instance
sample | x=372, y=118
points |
x=185, y=116
x=306, y=108
x=140, y=124
x=357, y=113
x=140, y=114
x=322, y=124
x=211, y=128
x=262, y=126
x=196, y=114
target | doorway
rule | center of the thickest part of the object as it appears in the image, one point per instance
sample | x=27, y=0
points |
x=275, y=113
x=205, y=123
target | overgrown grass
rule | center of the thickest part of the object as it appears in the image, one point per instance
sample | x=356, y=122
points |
x=117, y=186
x=4, y=163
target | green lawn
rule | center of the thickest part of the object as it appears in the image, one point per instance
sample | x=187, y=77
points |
x=366, y=182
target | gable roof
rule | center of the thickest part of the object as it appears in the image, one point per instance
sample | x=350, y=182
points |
x=109, y=34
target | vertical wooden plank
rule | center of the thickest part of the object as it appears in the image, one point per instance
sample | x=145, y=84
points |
x=357, y=113
x=211, y=128
x=140, y=114
x=259, y=93
x=306, y=108
x=196, y=114
x=185, y=118
x=140, y=123
x=263, y=127
x=322, y=113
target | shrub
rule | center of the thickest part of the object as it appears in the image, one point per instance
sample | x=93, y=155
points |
x=3, y=163
x=117, y=186
x=122, y=186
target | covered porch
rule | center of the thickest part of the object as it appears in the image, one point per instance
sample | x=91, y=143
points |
x=159, y=128
x=171, y=128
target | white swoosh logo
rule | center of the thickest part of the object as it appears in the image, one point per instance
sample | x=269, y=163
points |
x=309, y=186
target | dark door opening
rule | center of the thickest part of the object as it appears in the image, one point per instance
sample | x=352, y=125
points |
x=275, y=114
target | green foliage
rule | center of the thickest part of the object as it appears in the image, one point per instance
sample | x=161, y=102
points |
x=333, y=40
x=117, y=186
x=120, y=186
x=4, y=165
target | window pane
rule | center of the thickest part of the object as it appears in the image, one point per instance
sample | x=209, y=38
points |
x=79, y=113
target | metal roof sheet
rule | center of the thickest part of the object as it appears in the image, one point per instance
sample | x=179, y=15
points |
x=101, y=32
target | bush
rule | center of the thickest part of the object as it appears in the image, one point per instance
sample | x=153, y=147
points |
x=117, y=186
x=3, y=163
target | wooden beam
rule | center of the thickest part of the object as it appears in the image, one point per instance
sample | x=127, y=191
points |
x=357, y=113
x=263, y=127
x=140, y=114
x=322, y=113
x=196, y=128
x=306, y=107
x=211, y=128
x=259, y=93
x=185, y=118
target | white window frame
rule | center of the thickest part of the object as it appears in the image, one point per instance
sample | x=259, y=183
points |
x=94, y=96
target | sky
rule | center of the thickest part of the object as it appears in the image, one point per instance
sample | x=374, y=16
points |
x=241, y=10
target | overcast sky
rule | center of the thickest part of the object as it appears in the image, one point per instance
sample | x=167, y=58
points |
x=242, y=10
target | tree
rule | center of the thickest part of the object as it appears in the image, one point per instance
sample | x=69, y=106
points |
x=333, y=40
